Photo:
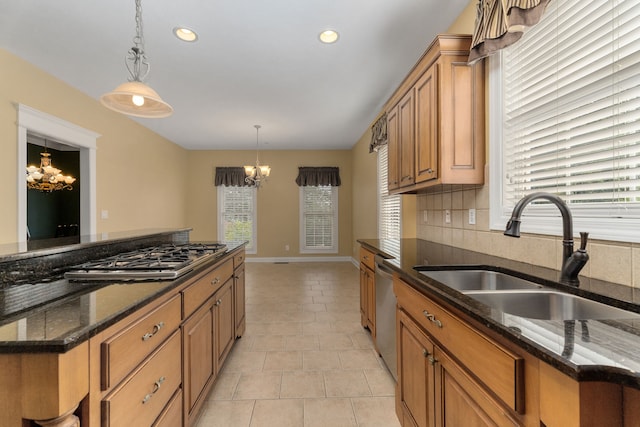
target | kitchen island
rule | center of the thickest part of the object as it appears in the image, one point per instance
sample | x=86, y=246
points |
x=563, y=372
x=82, y=353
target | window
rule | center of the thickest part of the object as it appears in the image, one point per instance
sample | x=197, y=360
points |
x=319, y=219
x=389, y=206
x=237, y=215
x=566, y=120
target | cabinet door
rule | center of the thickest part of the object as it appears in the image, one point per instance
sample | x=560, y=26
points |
x=371, y=301
x=406, y=133
x=197, y=346
x=363, y=297
x=415, y=374
x=239, y=300
x=224, y=326
x=461, y=401
x=393, y=149
x=426, y=103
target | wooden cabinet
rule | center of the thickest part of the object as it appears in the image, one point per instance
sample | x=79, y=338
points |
x=450, y=374
x=239, y=294
x=367, y=291
x=208, y=336
x=142, y=396
x=435, y=120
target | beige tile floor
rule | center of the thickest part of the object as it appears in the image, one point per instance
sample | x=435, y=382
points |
x=304, y=360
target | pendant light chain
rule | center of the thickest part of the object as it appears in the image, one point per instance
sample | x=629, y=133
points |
x=136, y=62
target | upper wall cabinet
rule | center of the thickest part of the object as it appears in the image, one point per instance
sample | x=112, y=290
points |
x=435, y=120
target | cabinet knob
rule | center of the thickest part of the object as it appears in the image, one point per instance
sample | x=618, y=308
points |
x=425, y=353
x=215, y=281
x=219, y=302
x=429, y=170
x=432, y=360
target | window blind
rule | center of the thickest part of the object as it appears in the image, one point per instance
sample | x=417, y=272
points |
x=389, y=207
x=319, y=218
x=237, y=218
x=571, y=109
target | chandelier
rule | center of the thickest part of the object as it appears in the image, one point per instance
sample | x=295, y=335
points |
x=46, y=178
x=257, y=174
x=134, y=97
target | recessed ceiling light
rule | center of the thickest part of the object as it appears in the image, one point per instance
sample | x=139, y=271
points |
x=329, y=36
x=185, y=34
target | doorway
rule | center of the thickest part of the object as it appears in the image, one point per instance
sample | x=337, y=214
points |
x=54, y=214
x=35, y=124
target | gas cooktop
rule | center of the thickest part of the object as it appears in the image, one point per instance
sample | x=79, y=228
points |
x=153, y=263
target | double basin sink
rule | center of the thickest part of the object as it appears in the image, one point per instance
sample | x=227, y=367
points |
x=523, y=298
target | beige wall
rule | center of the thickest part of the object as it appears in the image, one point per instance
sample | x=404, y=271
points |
x=617, y=262
x=278, y=199
x=141, y=176
x=365, y=192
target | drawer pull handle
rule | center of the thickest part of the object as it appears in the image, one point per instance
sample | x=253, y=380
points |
x=156, y=387
x=156, y=329
x=429, y=170
x=215, y=281
x=432, y=318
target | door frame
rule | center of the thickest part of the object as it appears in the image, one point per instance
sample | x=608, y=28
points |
x=45, y=125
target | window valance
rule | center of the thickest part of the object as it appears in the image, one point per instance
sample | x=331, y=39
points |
x=316, y=176
x=378, y=133
x=500, y=23
x=231, y=176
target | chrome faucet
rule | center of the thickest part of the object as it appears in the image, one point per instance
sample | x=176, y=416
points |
x=572, y=262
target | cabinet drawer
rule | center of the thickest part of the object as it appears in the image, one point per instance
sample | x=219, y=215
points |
x=140, y=399
x=498, y=368
x=124, y=351
x=172, y=414
x=367, y=257
x=238, y=259
x=198, y=292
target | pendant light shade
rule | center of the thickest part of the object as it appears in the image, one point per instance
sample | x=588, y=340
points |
x=136, y=99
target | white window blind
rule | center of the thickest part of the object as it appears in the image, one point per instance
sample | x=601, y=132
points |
x=571, y=115
x=389, y=206
x=319, y=219
x=237, y=215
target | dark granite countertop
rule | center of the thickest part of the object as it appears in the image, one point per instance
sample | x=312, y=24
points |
x=61, y=314
x=595, y=350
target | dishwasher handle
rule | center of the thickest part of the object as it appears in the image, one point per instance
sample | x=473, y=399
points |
x=382, y=269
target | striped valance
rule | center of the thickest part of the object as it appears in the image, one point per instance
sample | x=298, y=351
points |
x=500, y=23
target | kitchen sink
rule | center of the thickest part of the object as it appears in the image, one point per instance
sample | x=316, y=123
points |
x=479, y=280
x=549, y=305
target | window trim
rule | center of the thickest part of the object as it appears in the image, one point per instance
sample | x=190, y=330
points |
x=254, y=229
x=334, y=237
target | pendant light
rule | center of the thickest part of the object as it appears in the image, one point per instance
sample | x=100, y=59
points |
x=257, y=174
x=135, y=98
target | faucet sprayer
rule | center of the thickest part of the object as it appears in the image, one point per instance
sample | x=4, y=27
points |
x=572, y=262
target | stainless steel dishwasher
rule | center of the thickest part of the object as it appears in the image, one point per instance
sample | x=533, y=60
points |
x=386, y=316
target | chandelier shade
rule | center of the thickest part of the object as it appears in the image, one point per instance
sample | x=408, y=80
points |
x=257, y=174
x=135, y=98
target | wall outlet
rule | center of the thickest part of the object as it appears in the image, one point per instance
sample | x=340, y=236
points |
x=286, y=248
x=447, y=216
x=472, y=216
x=425, y=217
x=104, y=214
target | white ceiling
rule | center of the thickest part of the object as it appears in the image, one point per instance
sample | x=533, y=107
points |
x=256, y=62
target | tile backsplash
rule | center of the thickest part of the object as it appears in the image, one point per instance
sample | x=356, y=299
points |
x=443, y=217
